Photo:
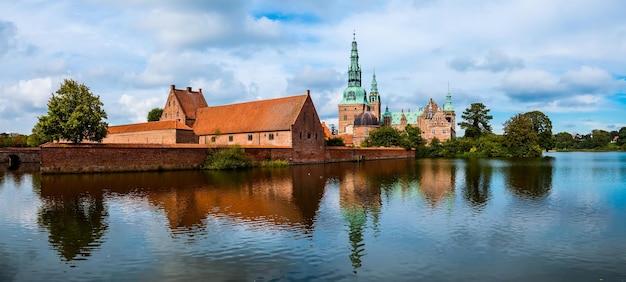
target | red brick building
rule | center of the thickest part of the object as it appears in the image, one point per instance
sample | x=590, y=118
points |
x=285, y=122
x=181, y=105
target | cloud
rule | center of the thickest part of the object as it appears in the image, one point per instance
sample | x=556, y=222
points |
x=586, y=87
x=495, y=61
x=27, y=95
x=10, y=41
x=139, y=108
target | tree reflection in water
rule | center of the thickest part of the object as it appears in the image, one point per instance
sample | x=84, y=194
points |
x=76, y=223
x=478, y=173
x=530, y=178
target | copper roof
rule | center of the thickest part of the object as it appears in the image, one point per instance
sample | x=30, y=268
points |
x=265, y=115
x=148, y=126
x=189, y=100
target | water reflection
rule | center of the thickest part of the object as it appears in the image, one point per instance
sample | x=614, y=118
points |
x=477, y=181
x=529, y=178
x=437, y=180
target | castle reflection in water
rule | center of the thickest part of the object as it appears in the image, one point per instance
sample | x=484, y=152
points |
x=74, y=207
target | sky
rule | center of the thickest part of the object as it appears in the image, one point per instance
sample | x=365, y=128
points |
x=565, y=58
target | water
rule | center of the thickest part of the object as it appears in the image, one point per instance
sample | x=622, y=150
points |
x=561, y=217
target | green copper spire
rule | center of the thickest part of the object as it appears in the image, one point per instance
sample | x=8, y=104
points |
x=354, y=72
x=354, y=93
x=448, y=106
x=374, y=97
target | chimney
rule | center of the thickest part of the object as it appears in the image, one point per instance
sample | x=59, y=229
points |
x=308, y=92
x=172, y=87
x=200, y=90
x=189, y=89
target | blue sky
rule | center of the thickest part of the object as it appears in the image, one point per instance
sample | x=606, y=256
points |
x=564, y=58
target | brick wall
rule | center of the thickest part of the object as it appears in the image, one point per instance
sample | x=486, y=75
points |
x=77, y=158
x=25, y=155
x=84, y=158
x=165, y=136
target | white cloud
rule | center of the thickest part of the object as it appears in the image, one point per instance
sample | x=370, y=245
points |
x=139, y=108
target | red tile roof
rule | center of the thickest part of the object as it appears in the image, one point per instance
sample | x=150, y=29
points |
x=189, y=100
x=258, y=116
x=148, y=126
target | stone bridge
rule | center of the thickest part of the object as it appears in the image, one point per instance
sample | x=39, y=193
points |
x=14, y=156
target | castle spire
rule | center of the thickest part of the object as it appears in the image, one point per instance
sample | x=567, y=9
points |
x=354, y=72
x=448, y=106
x=374, y=84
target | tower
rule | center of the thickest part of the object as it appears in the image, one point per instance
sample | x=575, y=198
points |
x=448, y=111
x=354, y=99
x=375, y=98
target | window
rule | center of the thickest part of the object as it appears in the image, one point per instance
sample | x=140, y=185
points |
x=434, y=132
x=212, y=138
x=271, y=137
x=300, y=135
x=443, y=131
x=249, y=137
x=230, y=138
x=345, y=117
x=308, y=135
x=176, y=113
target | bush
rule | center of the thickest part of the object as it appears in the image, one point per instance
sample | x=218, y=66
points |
x=232, y=158
x=274, y=163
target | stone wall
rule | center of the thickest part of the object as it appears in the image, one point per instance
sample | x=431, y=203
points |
x=79, y=158
x=24, y=155
x=85, y=158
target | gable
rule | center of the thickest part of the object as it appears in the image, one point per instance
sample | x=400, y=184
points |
x=189, y=100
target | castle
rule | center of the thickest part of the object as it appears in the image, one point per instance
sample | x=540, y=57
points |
x=360, y=113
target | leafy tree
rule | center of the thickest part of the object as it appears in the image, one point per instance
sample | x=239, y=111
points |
x=600, y=138
x=386, y=136
x=155, y=114
x=519, y=137
x=564, y=140
x=622, y=136
x=542, y=125
x=414, y=136
x=74, y=114
x=476, y=122
x=335, y=142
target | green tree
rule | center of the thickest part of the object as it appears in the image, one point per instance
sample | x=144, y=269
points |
x=155, y=114
x=542, y=125
x=336, y=141
x=622, y=136
x=414, y=136
x=600, y=138
x=564, y=140
x=386, y=136
x=519, y=137
x=74, y=114
x=476, y=122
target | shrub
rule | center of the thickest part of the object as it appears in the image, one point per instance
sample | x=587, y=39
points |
x=232, y=158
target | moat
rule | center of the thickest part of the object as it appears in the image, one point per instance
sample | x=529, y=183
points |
x=559, y=217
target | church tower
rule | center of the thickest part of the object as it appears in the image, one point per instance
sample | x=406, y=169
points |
x=354, y=99
x=448, y=111
x=375, y=98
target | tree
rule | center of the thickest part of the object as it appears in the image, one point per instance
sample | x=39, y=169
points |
x=476, y=122
x=542, y=125
x=386, y=136
x=600, y=138
x=414, y=136
x=155, y=114
x=74, y=114
x=622, y=136
x=564, y=140
x=519, y=137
